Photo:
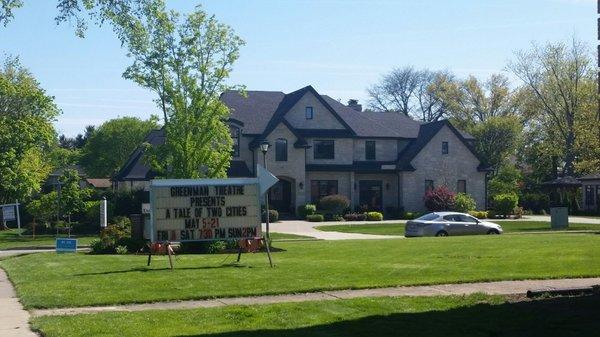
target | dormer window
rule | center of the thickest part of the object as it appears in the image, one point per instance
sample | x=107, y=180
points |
x=444, y=147
x=308, y=112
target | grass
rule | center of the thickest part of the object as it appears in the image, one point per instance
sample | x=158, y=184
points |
x=286, y=237
x=10, y=239
x=474, y=315
x=64, y=280
x=510, y=226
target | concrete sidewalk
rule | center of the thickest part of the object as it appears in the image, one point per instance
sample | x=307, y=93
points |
x=305, y=228
x=14, y=320
x=490, y=288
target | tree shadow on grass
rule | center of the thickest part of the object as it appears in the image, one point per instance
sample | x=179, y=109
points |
x=574, y=316
x=150, y=269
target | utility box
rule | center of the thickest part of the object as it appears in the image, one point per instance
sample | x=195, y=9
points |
x=559, y=217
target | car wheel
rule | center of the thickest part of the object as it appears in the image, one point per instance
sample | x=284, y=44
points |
x=441, y=233
x=493, y=232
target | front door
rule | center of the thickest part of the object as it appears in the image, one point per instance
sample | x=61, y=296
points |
x=280, y=196
x=370, y=195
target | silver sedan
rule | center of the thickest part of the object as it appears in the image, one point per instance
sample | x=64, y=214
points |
x=449, y=223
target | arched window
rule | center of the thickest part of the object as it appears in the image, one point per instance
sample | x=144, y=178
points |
x=235, y=136
x=281, y=149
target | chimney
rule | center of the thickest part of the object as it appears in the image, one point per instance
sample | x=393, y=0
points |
x=353, y=103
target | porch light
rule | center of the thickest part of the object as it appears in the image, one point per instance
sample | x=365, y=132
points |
x=264, y=146
x=301, y=186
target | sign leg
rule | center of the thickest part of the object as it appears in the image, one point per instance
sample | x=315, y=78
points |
x=239, y=251
x=170, y=253
x=149, y=254
x=268, y=252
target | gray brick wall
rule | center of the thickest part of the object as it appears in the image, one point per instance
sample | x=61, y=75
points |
x=385, y=149
x=430, y=164
x=322, y=118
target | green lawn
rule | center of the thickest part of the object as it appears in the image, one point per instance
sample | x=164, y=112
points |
x=509, y=226
x=64, y=280
x=285, y=236
x=475, y=315
x=10, y=239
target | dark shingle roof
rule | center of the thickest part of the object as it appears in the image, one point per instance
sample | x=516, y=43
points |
x=591, y=177
x=376, y=124
x=255, y=110
x=136, y=169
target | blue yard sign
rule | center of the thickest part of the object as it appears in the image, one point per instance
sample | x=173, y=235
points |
x=66, y=245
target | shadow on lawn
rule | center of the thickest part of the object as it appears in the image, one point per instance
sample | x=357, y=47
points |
x=575, y=316
x=149, y=269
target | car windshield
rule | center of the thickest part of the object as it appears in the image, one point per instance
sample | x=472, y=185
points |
x=428, y=217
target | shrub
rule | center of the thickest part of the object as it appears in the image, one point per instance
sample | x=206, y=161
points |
x=121, y=250
x=464, y=203
x=479, y=214
x=518, y=212
x=273, y=216
x=410, y=215
x=334, y=204
x=308, y=209
x=491, y=214
x=536, y=202
x=361, y=208
x=132, y=245
x=315, y=218
x=217, y=247
x=374, y=216
x=504, y=204
x=100, y=247
x=120, y=227
x=355, y=217
x=439, y=199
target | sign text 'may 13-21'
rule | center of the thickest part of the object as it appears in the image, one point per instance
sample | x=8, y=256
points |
x=205, y=210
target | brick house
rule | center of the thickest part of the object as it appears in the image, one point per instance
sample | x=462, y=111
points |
x=320, y=146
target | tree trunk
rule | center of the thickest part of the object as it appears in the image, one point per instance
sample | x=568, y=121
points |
x=569, y=168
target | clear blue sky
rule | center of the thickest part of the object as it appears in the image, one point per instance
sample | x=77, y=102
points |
x=338, y=46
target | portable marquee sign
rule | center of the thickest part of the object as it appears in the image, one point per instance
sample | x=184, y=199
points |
x=184, y=210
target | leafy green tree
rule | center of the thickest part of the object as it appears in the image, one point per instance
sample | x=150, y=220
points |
x=559, y=77
x=471, y=101
x=507, y=180
x=77, y=11
x=72, y=197
x=44, y=208
x=497, y=138
x=26, y=132
x=109, y=146
x=185, y=60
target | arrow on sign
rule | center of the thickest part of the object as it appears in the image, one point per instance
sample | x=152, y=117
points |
x=266, y=179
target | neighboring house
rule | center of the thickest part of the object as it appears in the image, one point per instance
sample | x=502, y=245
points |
x=590, y=186
x=52, y=182
x=99, y=183
x=320, y=146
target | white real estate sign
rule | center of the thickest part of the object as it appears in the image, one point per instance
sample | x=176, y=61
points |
x=8, y=213
x=206, y=209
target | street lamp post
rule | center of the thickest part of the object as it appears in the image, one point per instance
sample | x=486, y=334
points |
x=264, y=147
